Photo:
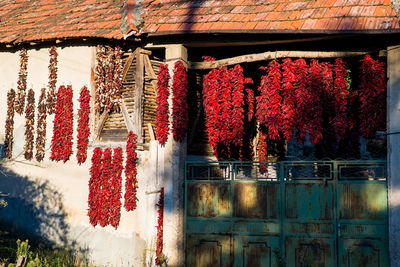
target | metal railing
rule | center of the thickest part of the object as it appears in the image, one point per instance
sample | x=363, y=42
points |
x=287, y=170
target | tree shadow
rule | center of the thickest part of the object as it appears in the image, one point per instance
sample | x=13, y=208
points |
x=34, y=211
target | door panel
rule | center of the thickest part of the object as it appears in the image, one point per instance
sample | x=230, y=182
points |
x=254, y=251
x=209, y=251
x=363, y=253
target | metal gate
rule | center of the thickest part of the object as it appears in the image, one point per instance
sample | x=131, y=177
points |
x=294, y=213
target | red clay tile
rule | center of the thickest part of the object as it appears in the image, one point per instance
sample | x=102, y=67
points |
x=382, y=11
x=249, y=25
x=262, y=25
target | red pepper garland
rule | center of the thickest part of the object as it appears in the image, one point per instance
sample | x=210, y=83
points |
x=269, y=108
x=289, y=98
x=262, y=148
x=162, y=121
x=180, y=115
x=130, y=173
x=313, y=110
x=116, y=90
x=105, y=190
x=160, y=229
x=115, y=194
x=29, y=124
x=51, y=94
x=20, y=101
x=99, y=78
x=41, y=126
x=109, y=79
x=61, y=143
x=223, y=93
x=9, y=139
x=211, y=107
x=94, y=200
x=372, y=95
x=237, y=109
x=250, y=99
x=341, y=94
x=83, y=125
x=301, y=92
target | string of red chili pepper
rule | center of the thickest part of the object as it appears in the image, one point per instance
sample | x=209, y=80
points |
x=83, y=125
x=211, y=106
x=301, y=92
x=246, y=149
x=223, y=101
x=9, y=137
x=313, y=112
x=29, y=124
x=160, y=229
x=237, y=107
x=21, y=87
x=341, y=95
x=99, y=78
x=372, y=95
x=289, y=98
x=105, y=188
x=94, y=200
x=61, y=143
x=269, y=108
x=262, y=149
x=180, y=115
x=115, y=194
x=250, y=99
x=162, y=121
x=116, y=89
x=130, y=173
x=41, y=126
x=51, y=94
x=109, y=79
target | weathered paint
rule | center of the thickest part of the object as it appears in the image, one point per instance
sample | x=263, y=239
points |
x=307, y=220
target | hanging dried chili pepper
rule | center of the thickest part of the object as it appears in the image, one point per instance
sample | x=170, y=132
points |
x=289, y=98
x=262, y=149
x=94, y=200
x=51, y=94
x=21, y=88
x=160, y=229
x=162, y=112
x=41, y=126
x=372, y=95
x=29, y=124
x=302, y=95
x=9, y=138
x=269, y=103
x=83, y=125
x=131, y=184
x=341, y=95
x=105, y=191
x=115, y=194
x=180, y=115
x=61, y=143
x=99, y=78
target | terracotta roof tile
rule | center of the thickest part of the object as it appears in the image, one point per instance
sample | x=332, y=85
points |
x=26, y=20
x=267, y=15
x=33, y=20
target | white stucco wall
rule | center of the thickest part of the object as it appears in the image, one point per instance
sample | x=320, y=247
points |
x=50, y=198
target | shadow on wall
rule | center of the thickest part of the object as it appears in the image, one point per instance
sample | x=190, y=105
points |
x=34, y=210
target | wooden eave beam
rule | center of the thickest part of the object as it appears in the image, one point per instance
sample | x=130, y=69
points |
x=270, y=55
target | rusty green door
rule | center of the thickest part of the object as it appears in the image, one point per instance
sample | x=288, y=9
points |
x=362, y=215
x=326, y=213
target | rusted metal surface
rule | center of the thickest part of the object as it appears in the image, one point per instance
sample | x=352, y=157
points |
x=209, y=251
x=256, y=200
x=209, y=199
x=298, y=214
